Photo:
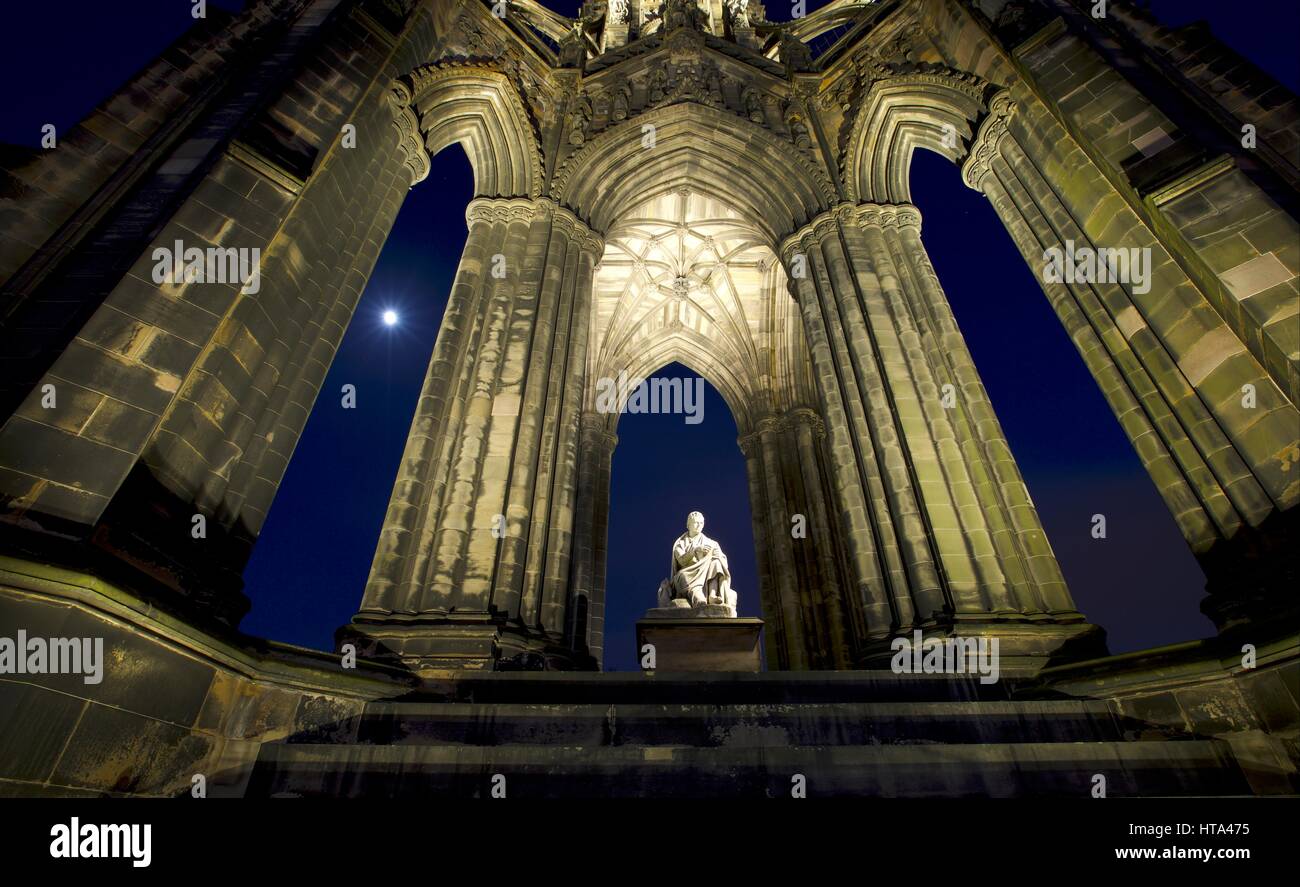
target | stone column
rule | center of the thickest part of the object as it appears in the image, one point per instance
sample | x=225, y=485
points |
x=763, y=449
x=1015, y=568
x=797, y=544
x=839, y=646
x=183, y=399
x=939, y=528
x=871, y=542
x=1173, y=372
x=776, y=641
x=591, y=531
x=474, y=560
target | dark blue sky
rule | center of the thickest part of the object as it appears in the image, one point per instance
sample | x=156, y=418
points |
x=309, y=568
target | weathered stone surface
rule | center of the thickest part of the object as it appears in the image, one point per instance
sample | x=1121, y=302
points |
x=34, y=726
x=702, y=643
x=685, y=193
x=1055, y=770
x=117, y=751
x=280, y=720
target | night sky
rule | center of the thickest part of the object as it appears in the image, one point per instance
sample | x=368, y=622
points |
x=309, y=568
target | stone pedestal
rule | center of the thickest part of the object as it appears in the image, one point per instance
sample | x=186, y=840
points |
x=700, y=643
x=682, y=610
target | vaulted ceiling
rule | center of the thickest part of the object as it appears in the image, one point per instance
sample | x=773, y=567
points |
x=684, y=278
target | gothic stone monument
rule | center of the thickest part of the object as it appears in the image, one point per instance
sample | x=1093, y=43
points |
x=660, y=181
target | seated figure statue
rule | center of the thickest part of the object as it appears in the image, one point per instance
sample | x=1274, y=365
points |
x=699, y=578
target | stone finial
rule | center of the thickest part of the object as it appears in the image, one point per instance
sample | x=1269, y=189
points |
x=573, y=49
x=795, y=54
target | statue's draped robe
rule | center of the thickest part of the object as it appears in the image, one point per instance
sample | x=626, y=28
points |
x=696, y=564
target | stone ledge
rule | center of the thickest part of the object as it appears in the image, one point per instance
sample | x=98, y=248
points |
x=702, y=643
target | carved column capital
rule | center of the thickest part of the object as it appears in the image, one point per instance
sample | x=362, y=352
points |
x=746, y=444
x=900, y=216
x=789, y=421
x=751, y=443
x=867, y=215
x=801, y=241
x=886, y=215
x=595, y=432
x=526, y=209
x=577, y=230
x=986, y=144
x=804, y=416
x=409, y=137
x=502, y=209
x=810, y=235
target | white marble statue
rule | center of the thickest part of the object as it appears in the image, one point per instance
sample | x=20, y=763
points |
x=699, y=577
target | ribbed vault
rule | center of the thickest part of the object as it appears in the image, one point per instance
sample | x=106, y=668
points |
x=732, y=160
x=686, y=278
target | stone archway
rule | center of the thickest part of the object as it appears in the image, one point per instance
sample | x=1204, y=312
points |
x=1173, y=365
x=919, y=520
x=186, y=401
x=475, y=564
x=687, y=278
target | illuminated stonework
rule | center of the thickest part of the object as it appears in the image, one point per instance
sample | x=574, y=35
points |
x=685, y=275
x=653, y=182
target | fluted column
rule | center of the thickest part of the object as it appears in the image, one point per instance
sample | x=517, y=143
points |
x=768, y=498
x=871, y=543
x=399, y=571
x=798, y=542
x=1175, y=374
x=479, y=531
x=839, y=640
x=591, y=529
x=938, y=525
x=1015, y=569
x=776, y=641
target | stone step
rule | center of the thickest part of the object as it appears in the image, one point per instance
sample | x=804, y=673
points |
x=704, y=726
x=1058, y=769
x=719, y=688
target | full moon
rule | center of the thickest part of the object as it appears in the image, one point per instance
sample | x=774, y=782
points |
x=390, y=318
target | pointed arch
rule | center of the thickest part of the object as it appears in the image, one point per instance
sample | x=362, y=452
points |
x=764, y=177
x=479, y=108
x=934, y=108
x=691, y=350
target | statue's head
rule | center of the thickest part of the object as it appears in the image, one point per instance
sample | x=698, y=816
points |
x=694, y=523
